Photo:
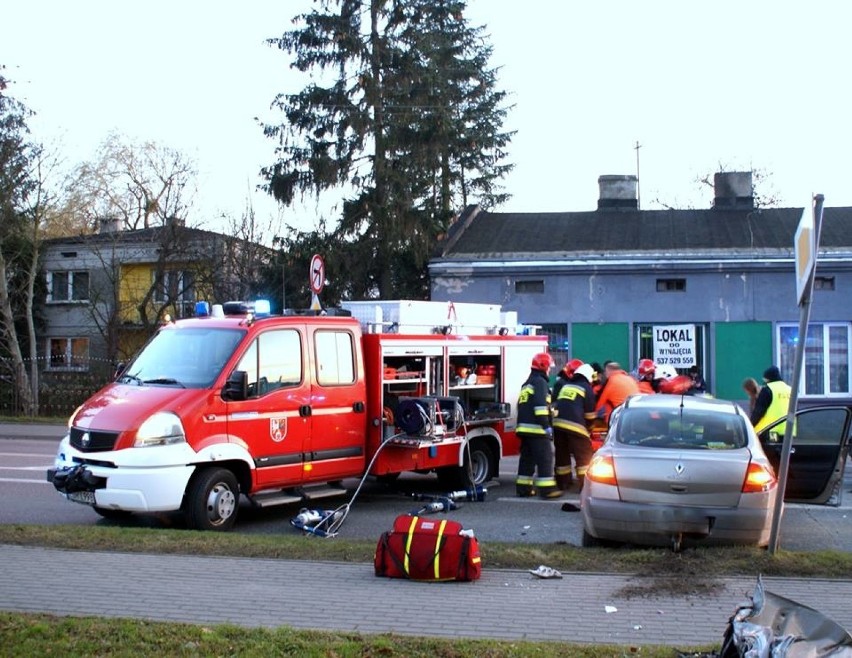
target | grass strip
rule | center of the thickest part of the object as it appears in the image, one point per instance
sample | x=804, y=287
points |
x=29, y=635
x=657, y=562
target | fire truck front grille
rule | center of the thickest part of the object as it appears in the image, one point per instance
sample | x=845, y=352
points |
x=88, y=441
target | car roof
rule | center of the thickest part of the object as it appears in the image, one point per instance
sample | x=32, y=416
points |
x=693, y=402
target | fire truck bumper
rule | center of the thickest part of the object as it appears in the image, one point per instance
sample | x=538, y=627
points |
x=142, y=487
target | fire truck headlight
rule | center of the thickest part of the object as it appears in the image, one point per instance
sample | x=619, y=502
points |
x=162, y=428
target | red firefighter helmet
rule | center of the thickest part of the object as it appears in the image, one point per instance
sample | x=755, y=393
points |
x=542, y=361
x=646, y=369
x=571, y=367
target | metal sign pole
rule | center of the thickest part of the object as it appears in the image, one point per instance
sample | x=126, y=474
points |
x=804, y=317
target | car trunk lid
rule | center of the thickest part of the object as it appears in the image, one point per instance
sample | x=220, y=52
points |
x=681, y=477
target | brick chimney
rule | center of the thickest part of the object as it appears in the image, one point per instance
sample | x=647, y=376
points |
x=733, y=190
x=618, y=193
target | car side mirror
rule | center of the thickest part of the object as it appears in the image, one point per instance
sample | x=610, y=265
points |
x=236, y=387
x=119, y=370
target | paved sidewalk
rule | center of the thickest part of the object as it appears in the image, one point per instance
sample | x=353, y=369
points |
x=504, y=604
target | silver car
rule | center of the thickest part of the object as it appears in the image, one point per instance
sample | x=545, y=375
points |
x=678, y=470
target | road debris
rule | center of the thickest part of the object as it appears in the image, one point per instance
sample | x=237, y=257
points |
x=771, y=626
x=545, y=572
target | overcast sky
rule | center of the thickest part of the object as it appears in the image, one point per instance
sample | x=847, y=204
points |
x=742, y=85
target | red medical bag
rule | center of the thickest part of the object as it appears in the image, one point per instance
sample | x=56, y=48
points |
x=421, y=548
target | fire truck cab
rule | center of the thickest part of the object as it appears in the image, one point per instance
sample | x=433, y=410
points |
x=281, y=409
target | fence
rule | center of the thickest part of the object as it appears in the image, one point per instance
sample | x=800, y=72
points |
x=60, y=392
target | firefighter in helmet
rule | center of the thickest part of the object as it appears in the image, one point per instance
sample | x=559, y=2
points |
x=565, y=375
x=535, y=465
x=575, y=412
x=645, y=375
x=667, y=380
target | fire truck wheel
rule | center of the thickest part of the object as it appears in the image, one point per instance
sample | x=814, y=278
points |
x=387, y=478
x=212, y=500
x=480, y=466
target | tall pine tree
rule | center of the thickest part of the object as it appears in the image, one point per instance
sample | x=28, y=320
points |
x=402, y=112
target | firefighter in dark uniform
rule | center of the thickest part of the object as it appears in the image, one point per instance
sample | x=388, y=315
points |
x=535, y=465
x=565, y=376
x=575, y=412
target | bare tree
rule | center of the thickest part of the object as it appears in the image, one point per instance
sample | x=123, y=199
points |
x=245, y=258
x=765, y=193
x=20, y=189
x=134, y=185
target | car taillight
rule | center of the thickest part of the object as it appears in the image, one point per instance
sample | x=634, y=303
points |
x=602, y=469
x=758, y=478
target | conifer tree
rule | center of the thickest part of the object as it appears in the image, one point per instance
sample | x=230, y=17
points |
x=403, y=115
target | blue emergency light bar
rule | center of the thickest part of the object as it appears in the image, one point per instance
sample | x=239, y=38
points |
x=202, y=309
x=259, y=308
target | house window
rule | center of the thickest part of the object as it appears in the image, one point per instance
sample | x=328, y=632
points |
x=557, y=341
x=68, y=354
x=826, y=358
x=527, y=287
x=824, y=283
x=67, y=286
x=176, y=287
x=671, y=285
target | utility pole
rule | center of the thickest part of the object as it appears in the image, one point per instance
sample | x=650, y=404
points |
x=806, y=249
x=638, y=180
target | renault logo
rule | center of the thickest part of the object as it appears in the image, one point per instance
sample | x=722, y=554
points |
x=678, y=467
x=85, y=440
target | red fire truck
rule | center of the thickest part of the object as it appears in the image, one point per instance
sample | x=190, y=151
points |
x=281, y=409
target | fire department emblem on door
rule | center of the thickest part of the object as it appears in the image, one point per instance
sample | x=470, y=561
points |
x=278, y=429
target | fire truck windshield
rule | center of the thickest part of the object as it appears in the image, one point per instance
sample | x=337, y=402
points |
x=182, y=357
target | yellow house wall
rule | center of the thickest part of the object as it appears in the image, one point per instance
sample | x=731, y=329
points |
x=133, y=284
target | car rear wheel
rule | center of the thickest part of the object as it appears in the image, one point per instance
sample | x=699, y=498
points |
x=590, y=541
x=212, y=500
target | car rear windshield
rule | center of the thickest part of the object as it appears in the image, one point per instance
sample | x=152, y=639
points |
x=681, y=428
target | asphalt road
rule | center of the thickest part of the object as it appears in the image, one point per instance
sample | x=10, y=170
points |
x=27, y=451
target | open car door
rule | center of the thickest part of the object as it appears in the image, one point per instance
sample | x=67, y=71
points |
x=818, y=454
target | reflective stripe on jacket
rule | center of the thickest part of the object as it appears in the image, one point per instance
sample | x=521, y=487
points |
x=575, y=407
x=534, y=405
